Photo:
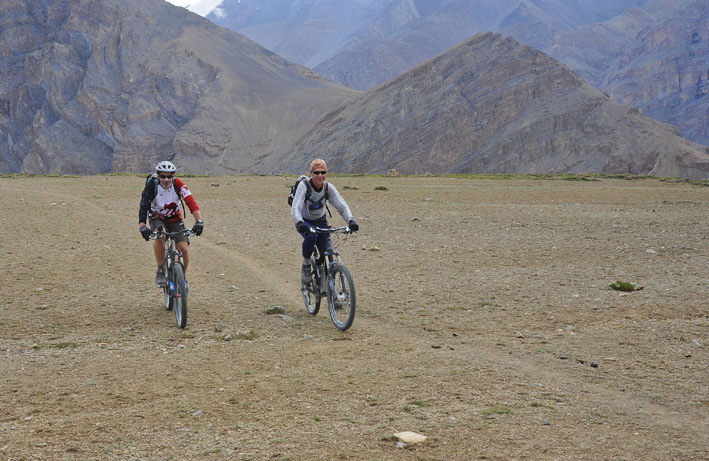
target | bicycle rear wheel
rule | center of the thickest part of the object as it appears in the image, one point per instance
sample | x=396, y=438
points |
x=180, y=295
x=311, y=291
x=341, y=298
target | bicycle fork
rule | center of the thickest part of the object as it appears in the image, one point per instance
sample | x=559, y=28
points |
x=322, y=279
x=170, y=262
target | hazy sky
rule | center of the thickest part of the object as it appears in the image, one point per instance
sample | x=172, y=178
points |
x=201, y=7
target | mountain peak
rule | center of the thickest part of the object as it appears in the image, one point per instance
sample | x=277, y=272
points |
x=491, y=105
x=200, y=7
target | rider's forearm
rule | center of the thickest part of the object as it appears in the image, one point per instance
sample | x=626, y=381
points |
x=197, y=215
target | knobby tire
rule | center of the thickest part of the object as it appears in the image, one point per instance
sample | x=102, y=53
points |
x=311, y=291
x=180, y=295
x=167, y=293
x=341, y=297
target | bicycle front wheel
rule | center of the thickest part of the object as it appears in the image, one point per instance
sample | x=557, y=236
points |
x=311, y=291
x=166, y=290
x=167, y=293
x=180, y=295
x=341, y=298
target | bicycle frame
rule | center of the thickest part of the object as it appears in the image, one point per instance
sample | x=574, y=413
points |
x=330, y=255
x=339, y=288
x=172, y=254
x=175, y=288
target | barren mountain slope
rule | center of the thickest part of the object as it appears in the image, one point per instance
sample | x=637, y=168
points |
x=491, y=105
x=302, y=31
x=115, y=85
x=654, y=58
x=650, y=54
x=364, y=42
x=410, y=32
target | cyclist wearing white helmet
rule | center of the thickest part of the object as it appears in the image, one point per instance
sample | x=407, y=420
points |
x=161, y=199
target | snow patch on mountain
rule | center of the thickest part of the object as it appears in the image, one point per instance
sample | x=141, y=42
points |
x=201, y=7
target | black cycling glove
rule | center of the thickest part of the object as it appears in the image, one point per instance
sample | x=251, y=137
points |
x=145, y=232
x=302, y=227
x=198, y=227
x=354, y=227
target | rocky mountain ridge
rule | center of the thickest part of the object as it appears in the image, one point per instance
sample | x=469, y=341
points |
x=654, y=58
x=650, y=54
x=491, y=105
x=362, y=43
x=91, y=87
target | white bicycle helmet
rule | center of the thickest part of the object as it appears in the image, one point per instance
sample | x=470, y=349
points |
x=165, y=167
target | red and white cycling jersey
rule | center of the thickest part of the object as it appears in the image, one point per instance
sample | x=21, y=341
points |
x=166, y=204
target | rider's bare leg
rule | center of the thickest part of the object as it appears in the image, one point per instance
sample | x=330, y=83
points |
x=159, y=250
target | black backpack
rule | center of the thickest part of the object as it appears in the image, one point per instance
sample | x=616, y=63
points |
x=294, y=188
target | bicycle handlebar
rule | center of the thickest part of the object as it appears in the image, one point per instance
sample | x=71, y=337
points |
x=158, y=233
x=331, y=230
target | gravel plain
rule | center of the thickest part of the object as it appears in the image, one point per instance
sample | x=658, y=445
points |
x=485, y=322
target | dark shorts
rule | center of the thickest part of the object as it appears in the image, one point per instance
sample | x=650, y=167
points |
x=167, y=226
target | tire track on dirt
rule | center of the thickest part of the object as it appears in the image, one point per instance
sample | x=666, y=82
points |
x=262, y=276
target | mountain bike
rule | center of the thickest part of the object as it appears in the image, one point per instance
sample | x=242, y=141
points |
x=330, y=278
x=175, y=289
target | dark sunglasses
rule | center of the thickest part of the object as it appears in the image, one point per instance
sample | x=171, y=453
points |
x=319, y=172
x=165, y=176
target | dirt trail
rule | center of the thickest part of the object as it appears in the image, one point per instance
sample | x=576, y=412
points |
x=478, y=322
x=257, y=273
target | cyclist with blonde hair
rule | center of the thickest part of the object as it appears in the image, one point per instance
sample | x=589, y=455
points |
x=308, y=210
